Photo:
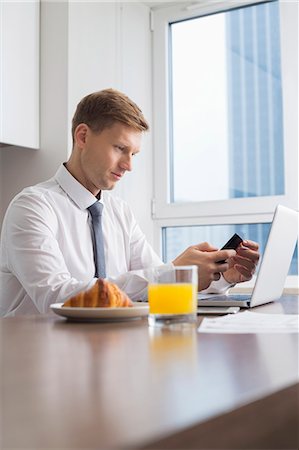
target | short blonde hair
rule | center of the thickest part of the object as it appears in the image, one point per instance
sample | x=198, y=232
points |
x=102, y=109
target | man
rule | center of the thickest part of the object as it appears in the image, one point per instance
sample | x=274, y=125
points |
x=47, y=241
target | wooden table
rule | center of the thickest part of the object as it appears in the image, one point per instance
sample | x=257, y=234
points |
x=68, y=385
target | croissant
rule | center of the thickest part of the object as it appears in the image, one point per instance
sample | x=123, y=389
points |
x=102, y=294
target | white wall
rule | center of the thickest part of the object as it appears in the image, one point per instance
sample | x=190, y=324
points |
x=86, y=46
x=136, y=81
x=113, y=49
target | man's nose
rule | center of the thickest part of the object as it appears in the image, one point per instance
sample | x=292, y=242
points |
x=126, y=163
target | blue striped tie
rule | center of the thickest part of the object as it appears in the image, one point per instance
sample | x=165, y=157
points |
x=99, y=255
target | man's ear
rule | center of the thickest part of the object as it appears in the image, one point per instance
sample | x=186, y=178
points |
x=80, y=134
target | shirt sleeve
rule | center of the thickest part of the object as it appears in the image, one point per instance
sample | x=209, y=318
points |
x=144, y=262
x=34, y=256
x=135, y=282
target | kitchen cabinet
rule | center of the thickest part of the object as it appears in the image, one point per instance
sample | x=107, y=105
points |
x=19, y=72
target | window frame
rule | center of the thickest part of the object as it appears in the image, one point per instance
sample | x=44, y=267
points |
x=236, y=210
x=248, y=208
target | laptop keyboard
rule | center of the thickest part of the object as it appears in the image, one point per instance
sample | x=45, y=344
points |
x=220, y=298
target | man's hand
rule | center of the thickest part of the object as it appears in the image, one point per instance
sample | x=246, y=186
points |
x=242, y=266
x=205, y=257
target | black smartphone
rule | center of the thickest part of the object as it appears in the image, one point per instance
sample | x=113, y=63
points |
x=232, y=243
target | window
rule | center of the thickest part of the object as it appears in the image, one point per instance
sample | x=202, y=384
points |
x=226, y=113
x=225, y=119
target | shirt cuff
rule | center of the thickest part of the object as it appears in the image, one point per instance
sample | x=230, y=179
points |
x=220, y=286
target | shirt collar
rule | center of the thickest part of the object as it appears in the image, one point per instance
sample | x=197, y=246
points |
x=75, y=190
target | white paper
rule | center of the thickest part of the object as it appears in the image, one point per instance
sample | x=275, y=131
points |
x=251, y=322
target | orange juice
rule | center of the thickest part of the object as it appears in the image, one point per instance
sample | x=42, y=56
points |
x=177, y=298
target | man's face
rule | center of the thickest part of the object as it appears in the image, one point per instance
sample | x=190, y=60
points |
x=106, y=156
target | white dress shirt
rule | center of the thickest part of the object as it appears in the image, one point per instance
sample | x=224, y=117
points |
x=46, y=252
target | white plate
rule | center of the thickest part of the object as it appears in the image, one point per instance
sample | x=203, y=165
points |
x=101, y=314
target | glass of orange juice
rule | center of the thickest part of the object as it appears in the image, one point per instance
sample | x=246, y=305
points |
x=172, y=296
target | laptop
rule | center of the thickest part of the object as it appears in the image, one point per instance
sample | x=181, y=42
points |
x=273, y=269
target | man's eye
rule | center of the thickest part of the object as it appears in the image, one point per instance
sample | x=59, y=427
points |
x=119, y=147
